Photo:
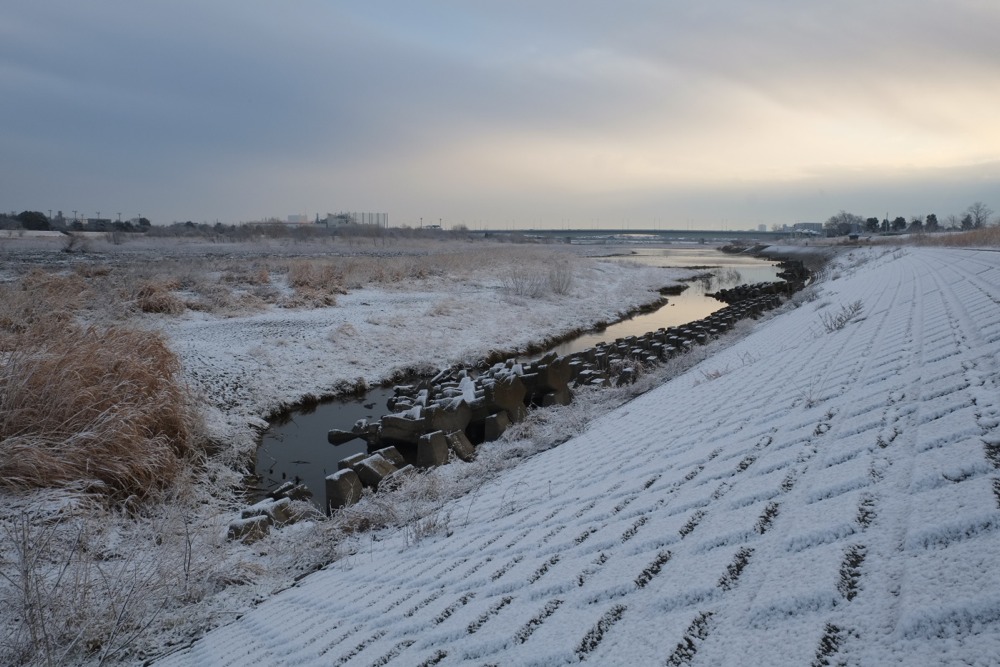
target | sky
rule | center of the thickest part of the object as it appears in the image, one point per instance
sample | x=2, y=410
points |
x=723, y=114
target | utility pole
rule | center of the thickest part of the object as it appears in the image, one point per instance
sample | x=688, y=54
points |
x=119, y=216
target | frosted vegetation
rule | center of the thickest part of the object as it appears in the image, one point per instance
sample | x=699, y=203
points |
x=842, y=507
x=136, y=376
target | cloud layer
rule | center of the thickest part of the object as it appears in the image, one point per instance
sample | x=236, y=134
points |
x=501, y=114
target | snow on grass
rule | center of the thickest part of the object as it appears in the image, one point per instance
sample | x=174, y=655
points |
x=252, y=366
x=721, y=522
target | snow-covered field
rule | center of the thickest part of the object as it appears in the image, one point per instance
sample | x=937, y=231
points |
x=813, y=494
x=250, y=367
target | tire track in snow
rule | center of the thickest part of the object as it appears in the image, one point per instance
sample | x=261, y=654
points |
x=757, y=580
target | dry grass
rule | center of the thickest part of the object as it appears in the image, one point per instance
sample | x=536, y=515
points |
x=986, y=236
x=315, y=275
x=836, y=321
x=100, y=409
x=116, y=288
x=239, y=275
x=156, y=297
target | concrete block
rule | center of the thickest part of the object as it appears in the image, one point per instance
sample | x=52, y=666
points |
x=460, y=445
x=432, y=450
x=343, y=488
x=372, y=469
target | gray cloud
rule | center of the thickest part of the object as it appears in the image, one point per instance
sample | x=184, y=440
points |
x=709, y=111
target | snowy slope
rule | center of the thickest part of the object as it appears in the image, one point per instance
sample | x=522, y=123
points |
x=805, y=496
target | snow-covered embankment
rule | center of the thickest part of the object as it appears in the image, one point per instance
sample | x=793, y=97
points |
x=825, y=489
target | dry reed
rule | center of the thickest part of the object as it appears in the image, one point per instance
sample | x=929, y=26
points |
x=985, y=236
x=156, y=297
x=315, y=275
x=95, y=408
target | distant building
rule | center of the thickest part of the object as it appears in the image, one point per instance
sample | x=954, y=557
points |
x=343, y=219
x=298, y=219
x=337, y=220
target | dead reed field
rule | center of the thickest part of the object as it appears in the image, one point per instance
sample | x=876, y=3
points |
x=115, y=514
x=90, y=394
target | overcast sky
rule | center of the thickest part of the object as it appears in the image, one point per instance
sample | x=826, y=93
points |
x=710, y=114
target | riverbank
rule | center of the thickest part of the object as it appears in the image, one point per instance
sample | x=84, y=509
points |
x=823, y=490
x=256, y=326
x=253, y=366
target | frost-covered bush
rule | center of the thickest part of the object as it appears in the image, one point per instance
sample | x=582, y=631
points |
x=561, y=278
x=531, y=283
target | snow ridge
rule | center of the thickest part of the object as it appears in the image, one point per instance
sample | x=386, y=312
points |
x=831, y=498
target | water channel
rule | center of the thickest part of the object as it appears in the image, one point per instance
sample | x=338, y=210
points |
x=295, y=446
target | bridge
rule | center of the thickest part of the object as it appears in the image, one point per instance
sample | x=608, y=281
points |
x=642, y=235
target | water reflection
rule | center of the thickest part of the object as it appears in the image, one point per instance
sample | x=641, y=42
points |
x=296, y=448
x=721, y=271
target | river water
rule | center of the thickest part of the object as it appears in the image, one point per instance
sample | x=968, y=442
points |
x=295, y=447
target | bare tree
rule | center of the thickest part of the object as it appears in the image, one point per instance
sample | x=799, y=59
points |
x=980, y=214
x=843, y=224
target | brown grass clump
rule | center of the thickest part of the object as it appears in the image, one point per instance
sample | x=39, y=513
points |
x=155, y=297
x=316, y=284
x=100, y=409
x=309, y=298
x=38, y=297
x=315, y=275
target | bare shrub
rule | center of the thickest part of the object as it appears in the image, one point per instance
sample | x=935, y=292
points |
x=98, y=408
x=561, y=278
x=517, y=281
x=67, y=604
x=82, y=585
x=75, y=243
x=837, y=321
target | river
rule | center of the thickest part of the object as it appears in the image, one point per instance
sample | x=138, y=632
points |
x=295, y=446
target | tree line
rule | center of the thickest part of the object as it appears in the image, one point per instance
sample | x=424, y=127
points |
x=976, y=216
x=39, y=222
